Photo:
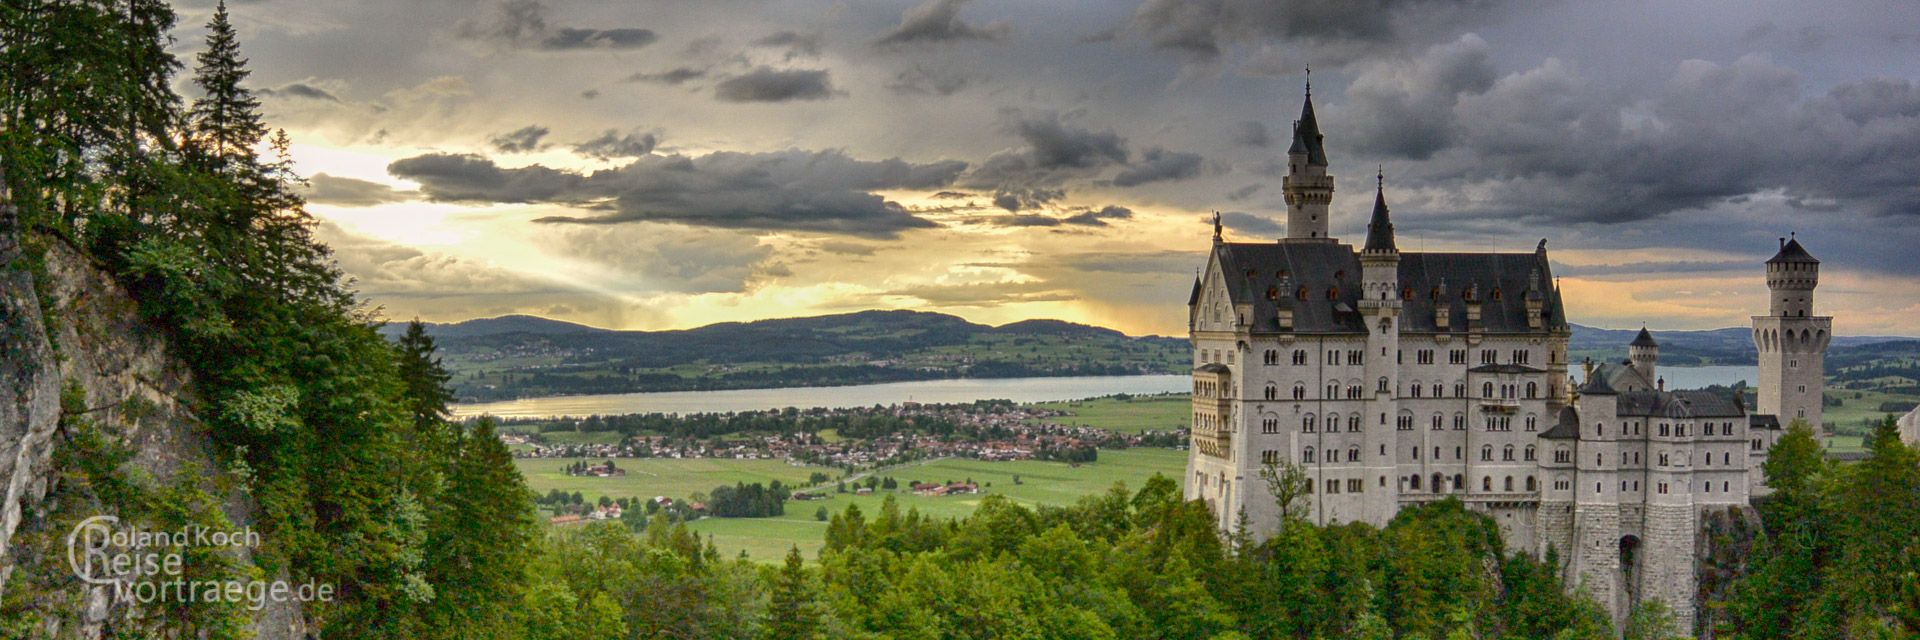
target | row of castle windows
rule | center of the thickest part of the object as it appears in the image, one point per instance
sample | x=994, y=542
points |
x=1304, y=292
x=1414, y=390
x=1356, y=357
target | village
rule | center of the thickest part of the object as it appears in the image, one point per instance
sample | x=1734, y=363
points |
x=993, y=433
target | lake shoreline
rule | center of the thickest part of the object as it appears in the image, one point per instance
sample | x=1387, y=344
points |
x=941, y=391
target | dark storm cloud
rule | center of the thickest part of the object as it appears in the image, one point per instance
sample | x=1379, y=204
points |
x=675, y=76
x=794, y=190
x=1025, y=220
x=1546, y=144
x=350, y=192
x=523, y=24
x=522, y=140
x=766, y=84
x=938, y=21
x=613, y=144
x=1200, y=29
x=796, y=43
x=1054, y=151
x=1251, y=134
x=1405, y=108
x=1249, y=224
x=1159, y=165
x=300, y=90
x=1099, y=217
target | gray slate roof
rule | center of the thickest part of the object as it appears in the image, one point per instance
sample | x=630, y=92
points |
x=1791, y=251
x=1763, y=421
x=1566, y=428
x=1306, y=136
x=1645, y=339
x=1380, y=229
x=1252, y=269
x=1693, y=404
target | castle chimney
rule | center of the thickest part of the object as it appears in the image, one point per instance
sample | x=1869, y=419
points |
x=1662, y=383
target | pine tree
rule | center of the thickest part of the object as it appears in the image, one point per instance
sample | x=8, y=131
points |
x=483, y=534
x=793, y=615
x=426, y=379
x=226, y=120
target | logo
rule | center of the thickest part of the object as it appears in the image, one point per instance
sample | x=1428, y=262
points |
x=147, y=567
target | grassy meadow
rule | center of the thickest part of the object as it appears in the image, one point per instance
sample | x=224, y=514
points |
x=1131, y=415
x=767, y=539
x=1058, y=483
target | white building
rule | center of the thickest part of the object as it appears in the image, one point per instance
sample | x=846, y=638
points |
x=1395, y=378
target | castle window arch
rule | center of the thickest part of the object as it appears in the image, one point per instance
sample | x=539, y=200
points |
x=1439, y=483
x=1486, y=453
x=1531, y=485
x=1273, y=292
x=1272, y=392
x=1486, y=390
x=1353, y=423
x=1299, y=391
x=1333, y=423
x=1506, y=454
x=1353, y=454
x=1509, y=483
x=1383, y=385
x=1333, y=293
x=1306, y=424
x=1486, y=484
x=1300, y=293
x=1307, y=455
x=1530, y=458
x=1533, y=391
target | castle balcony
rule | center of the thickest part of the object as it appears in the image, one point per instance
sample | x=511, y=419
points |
x=1504, y=406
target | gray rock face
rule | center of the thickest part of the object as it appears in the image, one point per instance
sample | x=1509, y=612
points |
x=77, y=329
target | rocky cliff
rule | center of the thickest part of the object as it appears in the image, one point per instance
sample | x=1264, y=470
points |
x=82, y=372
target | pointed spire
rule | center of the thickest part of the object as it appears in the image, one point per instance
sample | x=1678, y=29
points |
x=1306, y=132
x=1380, y=230
x=1645, y=339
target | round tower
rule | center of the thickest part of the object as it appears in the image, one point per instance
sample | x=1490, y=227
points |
x=1308, y=188
x=1791, y=340
x=1791, y=276
x=1644, y=353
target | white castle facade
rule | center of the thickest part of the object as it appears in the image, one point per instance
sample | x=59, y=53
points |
x=1397, y=378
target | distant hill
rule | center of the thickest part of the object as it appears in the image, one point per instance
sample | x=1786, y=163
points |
x=534, y=325
x=1731, y=346
x=520, y=356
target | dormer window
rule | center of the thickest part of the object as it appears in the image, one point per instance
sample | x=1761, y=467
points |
x=1301, y=293
x=1333, y=293
x=1406, y=293
x=1496, y=294
x=1273, y=293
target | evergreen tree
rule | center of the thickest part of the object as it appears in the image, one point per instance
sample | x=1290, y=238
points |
x=225, y=122
x=482, y=536
x=426, y=379
x=793, y=615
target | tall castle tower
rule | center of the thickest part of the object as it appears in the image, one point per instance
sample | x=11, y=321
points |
x=1380, y=304
x=1791, y=340
x=1308, y=188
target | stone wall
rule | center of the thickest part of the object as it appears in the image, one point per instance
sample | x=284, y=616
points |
x=1667, y=563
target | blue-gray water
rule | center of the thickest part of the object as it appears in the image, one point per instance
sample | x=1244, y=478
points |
x=866, y=395
x=931, y=391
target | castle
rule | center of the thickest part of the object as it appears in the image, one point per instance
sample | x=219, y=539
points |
x=1397, y=378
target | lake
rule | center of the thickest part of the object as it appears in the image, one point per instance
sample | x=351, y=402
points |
x=930, y=391
x=865, y=395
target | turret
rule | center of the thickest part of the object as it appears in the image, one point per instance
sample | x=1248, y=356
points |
x=1308, y=188
x=1791, y=276
x=1644, y=353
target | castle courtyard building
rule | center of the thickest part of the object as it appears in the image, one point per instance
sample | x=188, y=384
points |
x=1397, y=378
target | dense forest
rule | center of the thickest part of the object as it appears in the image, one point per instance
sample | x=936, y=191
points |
x=342, y=441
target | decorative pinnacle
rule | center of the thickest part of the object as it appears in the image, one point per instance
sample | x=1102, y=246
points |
x=1309, y=81
x=1380, y=178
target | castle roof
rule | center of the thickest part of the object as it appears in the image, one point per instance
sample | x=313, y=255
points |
x=1597, y=385
x=1677, y=404
x=1194, y=298
x=1621, y=376
x=1645, y=339
x=1763, y=421
x=1380, y=230
x=1505, y=368
x=1213, y=367
x=1792, y=252
x=1322, y=283
x=1566, y=428
x=1306, y=135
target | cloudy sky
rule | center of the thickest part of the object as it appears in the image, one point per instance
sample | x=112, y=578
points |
x=670, y=163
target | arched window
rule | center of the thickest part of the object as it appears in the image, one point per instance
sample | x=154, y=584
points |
x=1353, y=454
x=1439, y=483
x=1531, y=422
x=1353, y=423
x=1333, y=423
x=1506, y=454
x=1383, y=385
x=1413, y=482
x=1486, y=453
x=1300, y=293
x=1333, y=293
x=1273, y=392
x=1533, y=390
x=1530, y=455
x=1486, y=483
x=1306, y=423
x=1486, y=390
x=1509, y=485
x=1273, y=293
x=1307, y=456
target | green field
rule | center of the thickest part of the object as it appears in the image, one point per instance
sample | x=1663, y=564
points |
x=767, y=539
x=649, y=477
x=1057, y=483
x=1132, y=415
